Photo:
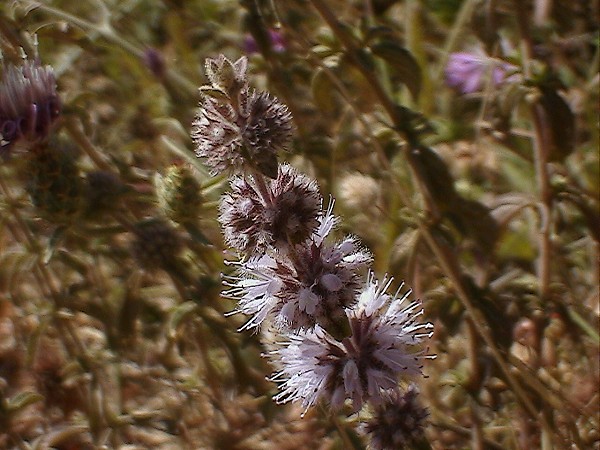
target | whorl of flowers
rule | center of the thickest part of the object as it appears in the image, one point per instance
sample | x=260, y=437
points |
x=383, y=345
x=332, y=336
x=281, y=213
x=397, y=422
x=236, y=129
x=29, y=103
x=311, y=287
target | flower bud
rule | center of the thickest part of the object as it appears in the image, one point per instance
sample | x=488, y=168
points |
x=227, y=76
x=156, y=245
x=54, y=185
x=179, y=195
x=397, y=421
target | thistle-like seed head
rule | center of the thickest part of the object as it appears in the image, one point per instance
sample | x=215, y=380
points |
x=287, y=214
x=397, y=421
x=238, y=140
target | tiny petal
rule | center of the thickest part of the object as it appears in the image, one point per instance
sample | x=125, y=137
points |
x=331, y=282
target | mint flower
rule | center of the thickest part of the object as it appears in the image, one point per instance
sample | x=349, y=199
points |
x=237, y=130
x=384, y=344
x=310, y=285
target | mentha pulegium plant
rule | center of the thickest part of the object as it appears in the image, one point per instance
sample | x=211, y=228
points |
x=336, y=336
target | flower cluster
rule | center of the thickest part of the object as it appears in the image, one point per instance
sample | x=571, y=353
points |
x=29, y=103
x=237, y=129
x=336, y=336
x=383, y=344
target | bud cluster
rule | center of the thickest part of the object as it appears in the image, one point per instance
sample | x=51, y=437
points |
x=336, y=336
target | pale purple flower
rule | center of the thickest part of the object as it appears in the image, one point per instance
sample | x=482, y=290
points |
x=284, y=212
x=312, y=284
x=29, y=103
x=470, y=71
x=384, y=344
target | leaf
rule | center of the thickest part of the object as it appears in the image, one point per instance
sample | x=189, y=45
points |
x=54, y=439
x=53, y=242
x=559, y=121
x=403, y=63
x=178, y=315
x=323, y=91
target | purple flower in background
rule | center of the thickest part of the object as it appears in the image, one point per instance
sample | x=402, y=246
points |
x=155, y=62
x=313, y=365
x=29, y=103
x=470, y=71
x=276, y=40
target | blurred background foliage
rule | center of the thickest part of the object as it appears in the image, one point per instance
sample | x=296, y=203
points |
x=485, y=201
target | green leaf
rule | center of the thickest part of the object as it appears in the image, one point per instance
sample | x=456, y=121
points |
x=403, y=63
x=323, y=91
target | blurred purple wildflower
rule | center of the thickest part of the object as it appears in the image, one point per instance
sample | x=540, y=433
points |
x=384, y=344
x=155, y=62
x=469, y=71
x=29, y=103
x=276, y=39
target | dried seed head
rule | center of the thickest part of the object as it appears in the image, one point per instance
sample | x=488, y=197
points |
x=29, y=104
x=397, y=421
x=359, y=192
x=179, y=194
x=250, y=136
x=156, y=245
x=287, y=213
